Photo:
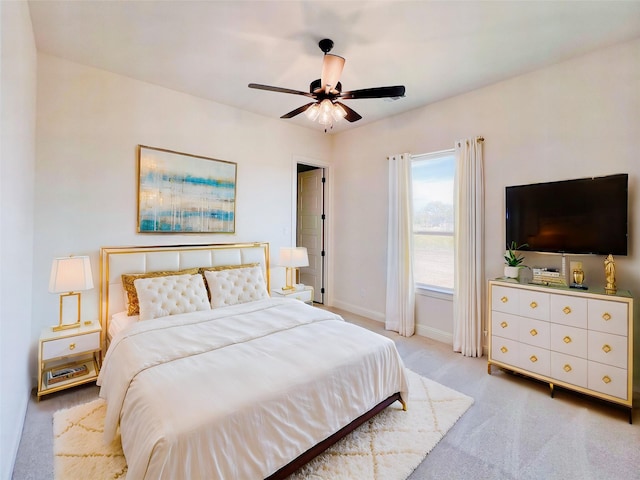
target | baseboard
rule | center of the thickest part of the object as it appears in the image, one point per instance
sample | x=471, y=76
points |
x=434, y=334
x=422, y=330
x=378, y=317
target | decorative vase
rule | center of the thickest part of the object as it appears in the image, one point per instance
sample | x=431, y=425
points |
x=578, y=276
x=511, y=272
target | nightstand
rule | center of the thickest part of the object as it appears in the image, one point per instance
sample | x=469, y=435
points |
x=305, y=295
x=67, y=358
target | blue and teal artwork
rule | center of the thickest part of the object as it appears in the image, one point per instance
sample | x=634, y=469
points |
x=181, y=193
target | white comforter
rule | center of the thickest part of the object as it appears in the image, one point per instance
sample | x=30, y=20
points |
x=239, y=392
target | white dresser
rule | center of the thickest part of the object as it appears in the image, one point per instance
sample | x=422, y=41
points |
x=580, y=340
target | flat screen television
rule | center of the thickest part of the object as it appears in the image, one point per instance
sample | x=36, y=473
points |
x=581, y=216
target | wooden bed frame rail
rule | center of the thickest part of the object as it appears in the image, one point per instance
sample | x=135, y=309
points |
x=317, y=449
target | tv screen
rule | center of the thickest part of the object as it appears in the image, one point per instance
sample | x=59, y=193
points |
x=582, y=216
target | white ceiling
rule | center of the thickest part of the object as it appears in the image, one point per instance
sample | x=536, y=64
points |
x=437, y=49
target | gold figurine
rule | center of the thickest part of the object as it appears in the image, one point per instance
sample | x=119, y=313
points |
x=610, y=275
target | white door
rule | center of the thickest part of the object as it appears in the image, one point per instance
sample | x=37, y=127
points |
x=310, y=228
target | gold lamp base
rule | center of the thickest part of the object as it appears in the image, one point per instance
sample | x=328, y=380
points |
x=66, y=326
x=291, y=277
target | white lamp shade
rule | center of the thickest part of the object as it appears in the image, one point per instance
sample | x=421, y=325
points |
x=293, y=257
x=70, y=274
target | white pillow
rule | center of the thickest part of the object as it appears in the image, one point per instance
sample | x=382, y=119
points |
x=170, y=295
x=236, y=285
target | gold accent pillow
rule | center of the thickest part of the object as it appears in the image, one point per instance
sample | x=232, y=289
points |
x=133, y=307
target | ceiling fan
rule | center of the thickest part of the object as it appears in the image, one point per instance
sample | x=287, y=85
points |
x=327, y=90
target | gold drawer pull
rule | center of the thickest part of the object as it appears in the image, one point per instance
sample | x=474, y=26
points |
x=606, y=379
x=566, y=310
x=567, y=368
x=606, y=317
x=504, y=349
x=533, y=332
x=567, y=339
x=504, y=299
x=606, y=348
x=533, y=358
x=504, y=324
x=533, y=305
x=72, y=346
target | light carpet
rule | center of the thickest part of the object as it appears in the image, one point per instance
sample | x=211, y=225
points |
x=388, y=447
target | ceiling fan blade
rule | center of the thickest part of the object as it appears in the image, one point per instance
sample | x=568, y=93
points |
x=332, y=66
x=379, y=92
x=297, y=111
x=280, y=90
x=352, y=115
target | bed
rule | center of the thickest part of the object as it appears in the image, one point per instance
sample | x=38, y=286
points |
x=236, y=384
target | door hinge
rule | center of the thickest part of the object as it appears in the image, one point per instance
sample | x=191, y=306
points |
x=324, y=180
x=322, y=253
x=323, y=216
x=322, y=290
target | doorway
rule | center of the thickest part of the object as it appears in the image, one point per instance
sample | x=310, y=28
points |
x=310, y=226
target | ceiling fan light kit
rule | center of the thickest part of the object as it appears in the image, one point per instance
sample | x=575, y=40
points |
x=327, y=90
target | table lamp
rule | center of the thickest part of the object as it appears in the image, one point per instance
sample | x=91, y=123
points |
x=70, y=276
x=293, y=258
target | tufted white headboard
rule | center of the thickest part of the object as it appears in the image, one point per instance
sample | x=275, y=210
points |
x=115, y=261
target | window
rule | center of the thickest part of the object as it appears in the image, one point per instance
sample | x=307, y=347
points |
x=433, y=219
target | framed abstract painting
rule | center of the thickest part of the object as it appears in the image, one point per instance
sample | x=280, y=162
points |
x=183, y=193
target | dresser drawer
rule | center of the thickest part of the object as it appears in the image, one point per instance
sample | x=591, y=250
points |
x=609, y=380
x=504, y=350
x=64, y=347
x=533, y=304
x=534, y=359
x=567, y=310
x=504, y=299
x=607, y=316
x=505, y=325
x=608, y=349
x=570, y=369
x=569, y=340
x=534, y=332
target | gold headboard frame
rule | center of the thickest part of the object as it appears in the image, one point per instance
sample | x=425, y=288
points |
x=114, y=261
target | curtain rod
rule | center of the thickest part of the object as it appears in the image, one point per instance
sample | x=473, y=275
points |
x=478, y=139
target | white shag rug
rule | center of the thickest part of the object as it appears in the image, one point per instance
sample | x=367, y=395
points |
x=388, y=447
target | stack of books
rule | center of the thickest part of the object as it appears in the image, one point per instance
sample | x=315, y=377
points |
x=65, y=373
x=548, y=276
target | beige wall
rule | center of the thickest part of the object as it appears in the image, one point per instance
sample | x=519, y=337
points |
x=575, y=119
x=89, y=123
x=17, y=160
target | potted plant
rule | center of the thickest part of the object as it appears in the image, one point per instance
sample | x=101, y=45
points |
x=513, y=260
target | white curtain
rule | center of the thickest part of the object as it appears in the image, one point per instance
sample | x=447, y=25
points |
x=400, y=310
x=468, y=297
